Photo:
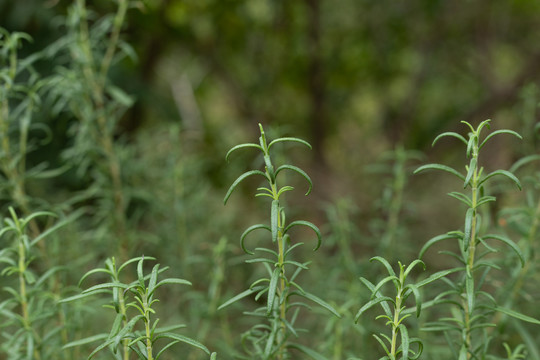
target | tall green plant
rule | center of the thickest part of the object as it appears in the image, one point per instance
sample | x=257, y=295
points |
x=133, y=331
x=523, y=219
x=272, y=340
x=20, y=85
x=28, y=313
x=82, y=88
x=470, y=304
x=399, y=344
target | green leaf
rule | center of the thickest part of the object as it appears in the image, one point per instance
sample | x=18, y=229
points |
x=132, y=260
x=183, y=339
x=523, y=161
x=463, y=353
x=370, y=304
x=450, y=133
x=514, y=314
x=467, y=233
x=385, y=263
x=282, y=190
x=100, y=347
x=508, y=242
x=140, y=274
x=85, y=341
x=169, y=281
x=508, y=174
x=82, y=296
x=436, y=276
x=293, y=139
x=382, y=282
x=461, y=197
x=311, y=353
x=469, y=286
x=57, y=226
x=309, y=225
x=153, y=280
x=119, y=96
x=417, y=298
x=440, y=167
x=274, y=217
x=383, y=345
x=127, y=330
x=470, y=126
x=485, y=199
x=412, y=265
x=26, y=220
x=470, y=172
x=242, y=146
x=299, y=171
x=470, y=144
x=404, y=342
x=109, y=285
x=511, y=132
x=94, y=271
x=242, y=295
x=320, y=302
x=485, y=123
x=239, y=180
x=172, y=343
x=272, y=290
x=269, y=168
x=371, y=286
x=247, y=231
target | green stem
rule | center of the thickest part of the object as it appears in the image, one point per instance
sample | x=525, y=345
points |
x=97, y=82
x=395, y=326
x=113, y=41
x=471, y=257
x=27, y=322
x=282, y=284
x=122, y=306
x=397, y=313
x=149, y=354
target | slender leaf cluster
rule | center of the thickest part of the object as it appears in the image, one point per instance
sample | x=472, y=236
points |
x=20, y=85
x=272, y=339
x=519, y=286
x=398, y=344
x=81, y=88
x=471, y=305
x=133, y=331
x=27, y=314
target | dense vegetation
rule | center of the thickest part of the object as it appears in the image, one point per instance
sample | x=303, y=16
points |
x=125, y=125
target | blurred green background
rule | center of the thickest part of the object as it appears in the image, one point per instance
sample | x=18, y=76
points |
x=358, y=79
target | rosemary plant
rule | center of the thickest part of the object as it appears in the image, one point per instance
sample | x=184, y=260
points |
x=398, y=345
x=28, y=326
x=19, y=100
x=519, y=287
x=82, y=88
x=273, y=339
x=140, y=295
x=471, y=306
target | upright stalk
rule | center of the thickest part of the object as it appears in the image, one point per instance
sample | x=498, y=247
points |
x=468, y=310
x=472, y=320
x=271, y=341
x=96, y=78
x=147, y=324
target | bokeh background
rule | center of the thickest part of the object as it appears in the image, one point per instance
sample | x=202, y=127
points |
x=368, y=83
